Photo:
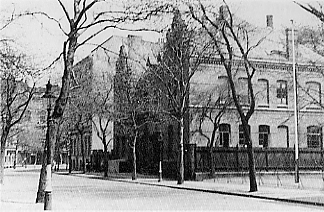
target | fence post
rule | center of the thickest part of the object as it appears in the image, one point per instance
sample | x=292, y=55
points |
x=191, y=162
x=322, y=162
x=266, y=159
x=237, y=158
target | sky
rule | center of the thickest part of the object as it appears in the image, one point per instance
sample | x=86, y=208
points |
x=42, y=39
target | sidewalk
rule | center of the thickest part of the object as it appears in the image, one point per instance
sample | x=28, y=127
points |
x=293, y=194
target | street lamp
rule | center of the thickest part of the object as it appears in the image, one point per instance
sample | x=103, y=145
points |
x=48, y=96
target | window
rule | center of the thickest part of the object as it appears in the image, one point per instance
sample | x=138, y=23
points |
x=264, y=134
x=242, y=140
x=282, y=93
x=313, y=93
x=283, y=136
x=224, y=134
x=224, y=90
x=314, y=136
x=243, y=91
x=263, y=95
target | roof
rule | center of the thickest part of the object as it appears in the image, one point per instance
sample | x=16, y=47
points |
x=274, y=48
x=137, y=49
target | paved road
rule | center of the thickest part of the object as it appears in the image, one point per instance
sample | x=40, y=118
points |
x=90, y=194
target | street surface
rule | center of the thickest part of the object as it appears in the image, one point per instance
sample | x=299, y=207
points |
x=86, y=193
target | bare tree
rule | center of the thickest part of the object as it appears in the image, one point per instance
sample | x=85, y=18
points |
x=88, y=20
x=233, y=42
x=103, y=112
x=15, y=93
x=213, y=105
x=180, y=60
x=312, y=38
x=134, y=104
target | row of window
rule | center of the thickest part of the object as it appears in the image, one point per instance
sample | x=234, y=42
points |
x=314, y=135
x=312, y=91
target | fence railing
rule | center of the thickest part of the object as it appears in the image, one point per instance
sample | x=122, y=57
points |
x=236, y=159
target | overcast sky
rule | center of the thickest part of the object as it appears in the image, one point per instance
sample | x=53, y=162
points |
x=43, y=40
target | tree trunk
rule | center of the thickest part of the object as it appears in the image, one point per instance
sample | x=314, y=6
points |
x=41, y=182
x=4, y=136
x=181, y=154
x=15, y=161
x=134, y=175
x=83, y=154
x=105, y=158
x=252, y=174
x=210, y=154
x=70, y=156
x=70, y=163
x=50, y=138
x=2, y=152
x=211, y=162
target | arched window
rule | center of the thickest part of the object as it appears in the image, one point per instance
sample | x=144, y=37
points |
x=314, y=136
x=224, y=90
x=313, y=94
x=264, y=135
x=224, y=135
x=282, y=92
x=263, y=94
x=243, y=91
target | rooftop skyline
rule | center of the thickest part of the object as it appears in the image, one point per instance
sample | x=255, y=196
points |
x=43, y=41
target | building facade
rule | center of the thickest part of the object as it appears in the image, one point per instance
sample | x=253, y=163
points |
x=272, y=124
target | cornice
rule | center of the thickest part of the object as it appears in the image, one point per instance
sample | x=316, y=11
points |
x=266, y=65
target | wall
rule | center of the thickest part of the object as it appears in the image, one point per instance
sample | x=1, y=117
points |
x=272, y=114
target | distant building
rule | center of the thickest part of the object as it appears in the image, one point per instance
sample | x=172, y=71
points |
x=25, y=144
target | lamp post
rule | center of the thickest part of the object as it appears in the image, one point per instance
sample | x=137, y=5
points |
x=295, y=104
x=48, y=181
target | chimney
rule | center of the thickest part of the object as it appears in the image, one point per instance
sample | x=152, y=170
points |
x=289, y=49
x=270, y=21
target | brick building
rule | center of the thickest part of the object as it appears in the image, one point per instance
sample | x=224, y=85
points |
x=272, y=124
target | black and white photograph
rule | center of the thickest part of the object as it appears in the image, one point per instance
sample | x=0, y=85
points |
x=161, y=105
